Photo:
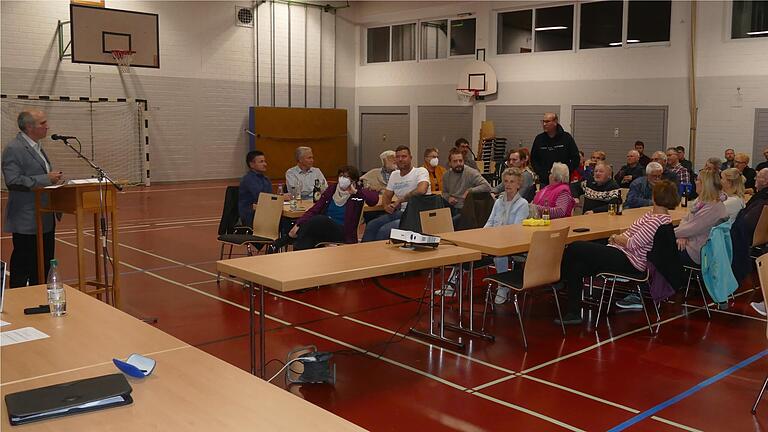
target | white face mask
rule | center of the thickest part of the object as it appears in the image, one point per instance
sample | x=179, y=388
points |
x=344, y=183
x=434, y=161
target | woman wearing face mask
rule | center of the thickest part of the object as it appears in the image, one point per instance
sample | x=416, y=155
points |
x=335, y=216
x=432, y=164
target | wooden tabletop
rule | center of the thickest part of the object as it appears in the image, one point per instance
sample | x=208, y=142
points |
x=323, y=266
x=512, y=239
x=91, y=332
x=304, y=205
x=189, y=390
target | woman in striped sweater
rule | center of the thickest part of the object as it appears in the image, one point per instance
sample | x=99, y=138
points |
x=625, y=252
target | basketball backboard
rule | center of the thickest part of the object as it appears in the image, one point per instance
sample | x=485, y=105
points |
x=97, y=31
x=478, y=75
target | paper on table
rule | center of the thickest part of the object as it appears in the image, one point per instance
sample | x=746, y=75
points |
x=25, y=334
x=84, y=181
x=3, y=323
x=54, y=186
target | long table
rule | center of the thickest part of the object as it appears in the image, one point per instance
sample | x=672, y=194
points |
x=315, y=267
x=515, y=239
x=304, y=205
x=189, y=390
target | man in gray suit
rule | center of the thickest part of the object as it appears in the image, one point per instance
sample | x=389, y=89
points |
x=26, y=167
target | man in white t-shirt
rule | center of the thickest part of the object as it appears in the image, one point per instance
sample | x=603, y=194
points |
x=404, y=183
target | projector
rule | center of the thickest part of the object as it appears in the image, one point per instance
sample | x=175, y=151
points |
x=412, y=239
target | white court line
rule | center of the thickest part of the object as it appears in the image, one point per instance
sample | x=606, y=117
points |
x=176, y=189
x=729, y=313
x=490, y=365
x=354, y=347
x=187, y=221
x=527, y=411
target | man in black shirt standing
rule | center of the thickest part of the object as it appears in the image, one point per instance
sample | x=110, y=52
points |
x=553, y=145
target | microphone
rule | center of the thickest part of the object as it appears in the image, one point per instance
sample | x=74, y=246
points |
x=62, y=137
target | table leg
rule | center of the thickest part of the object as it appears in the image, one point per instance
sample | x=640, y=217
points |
x=459, y=327
x=80, y=251
x=431, y=333
x=251, y=332
x=97, y=253
x=116, y=258
x=262, y=332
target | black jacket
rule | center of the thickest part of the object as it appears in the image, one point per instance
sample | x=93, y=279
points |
x=546, y=151
x=636, y=172
x=665, y=257
x=742, y=232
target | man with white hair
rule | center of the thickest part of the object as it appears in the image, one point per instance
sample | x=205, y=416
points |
x=641, y=189
x=661, y=158
x=376, y=179
x=631, y=171
x=302, y=177
x=599, y=190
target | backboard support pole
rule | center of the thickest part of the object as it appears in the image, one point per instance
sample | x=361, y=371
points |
x=64, y=50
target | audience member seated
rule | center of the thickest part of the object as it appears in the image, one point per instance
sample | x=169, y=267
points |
x=733, y=186
x=508, y=209
x=556, y=196
x=631, y=171
x=743, y=228
x=517, y=159
x=335, y=216
x=641, y=189
x=661, y=158
x=597, y=157
x=640, y=147
x=713, y=163
x=579, y=173
x=763, y=164
x=469, y=158
x=625, y=253
x=304, y=174
x=729, y=155
x=251, y=185
x=404, y=183
x=685, y=162
x=459, y=181
x=598, y=190
x=436, y=172
x=741, y=162
x=673, y=165
x=706, y=212
x=376, y=179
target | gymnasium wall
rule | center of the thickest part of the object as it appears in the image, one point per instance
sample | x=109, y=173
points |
x=652, y=75
x=199, y=98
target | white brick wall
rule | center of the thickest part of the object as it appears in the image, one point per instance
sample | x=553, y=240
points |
x=199, y=98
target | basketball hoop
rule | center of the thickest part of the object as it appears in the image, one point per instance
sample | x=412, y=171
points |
x=123, y=59
x=466, y=95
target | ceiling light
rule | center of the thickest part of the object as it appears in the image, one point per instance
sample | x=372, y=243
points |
x=755, y=33
x=551, y=28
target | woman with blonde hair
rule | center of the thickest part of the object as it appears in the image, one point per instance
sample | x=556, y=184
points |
x=733, y=187
x=706, y=212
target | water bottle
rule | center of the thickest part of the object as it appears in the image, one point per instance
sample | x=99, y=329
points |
x=294, y=199
x=57, y=298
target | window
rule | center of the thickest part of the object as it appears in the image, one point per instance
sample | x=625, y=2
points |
x=648, y=21
x=600, y=25
x=463, y=37
x=513, y=32
x=378, y=44
x=404, y=42
x=434, y=39
x=749, y=19
x=554, y=29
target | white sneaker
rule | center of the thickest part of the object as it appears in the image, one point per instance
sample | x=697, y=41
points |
x=502, y=293
x=448, y=290
x=759, y=307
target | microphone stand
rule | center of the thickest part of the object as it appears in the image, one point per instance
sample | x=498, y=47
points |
x=103, y=177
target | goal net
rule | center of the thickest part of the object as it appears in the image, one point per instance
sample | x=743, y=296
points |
x=110, y=134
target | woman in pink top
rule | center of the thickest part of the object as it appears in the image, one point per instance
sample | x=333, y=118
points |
x=625, y=252
x=556, y=196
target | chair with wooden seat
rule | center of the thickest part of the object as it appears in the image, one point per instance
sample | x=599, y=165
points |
x=265, y=229
x=762, y=273
x=544, y=257
x=760, y=238
x=436, y=222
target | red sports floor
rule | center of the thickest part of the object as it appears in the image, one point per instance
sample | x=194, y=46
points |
x=696, y=374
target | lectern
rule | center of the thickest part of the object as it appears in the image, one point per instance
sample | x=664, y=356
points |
x=82, y=200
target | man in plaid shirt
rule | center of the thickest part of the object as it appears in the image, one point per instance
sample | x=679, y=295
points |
x=674, y=166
